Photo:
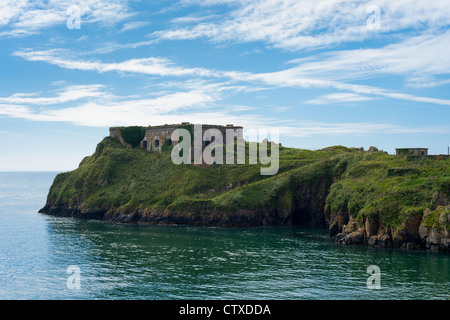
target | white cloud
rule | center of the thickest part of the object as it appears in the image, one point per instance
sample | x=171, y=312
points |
x=10, y=9
x=33, y=20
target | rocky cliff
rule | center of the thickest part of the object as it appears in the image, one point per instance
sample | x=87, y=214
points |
x=429, y=229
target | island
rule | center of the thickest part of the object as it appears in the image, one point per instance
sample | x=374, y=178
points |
x=365, y=197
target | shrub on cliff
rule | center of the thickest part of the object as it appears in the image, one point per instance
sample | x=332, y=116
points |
x=133, y=135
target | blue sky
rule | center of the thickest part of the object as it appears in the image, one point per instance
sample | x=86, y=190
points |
x=322, y=73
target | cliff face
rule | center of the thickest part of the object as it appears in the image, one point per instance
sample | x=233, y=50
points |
x=302, y=205
x=358, y=195
x=415, y=233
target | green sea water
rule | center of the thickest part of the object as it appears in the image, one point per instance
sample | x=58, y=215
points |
x=113, y=261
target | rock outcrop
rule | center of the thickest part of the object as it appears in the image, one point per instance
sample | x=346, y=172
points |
x=430, y=230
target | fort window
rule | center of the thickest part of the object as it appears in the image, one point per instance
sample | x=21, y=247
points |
x=169, y=141
x=144, y=144
x=209, y=140
x=156, y=143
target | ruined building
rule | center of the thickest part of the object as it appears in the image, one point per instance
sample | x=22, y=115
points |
x=422, y=152
x=155, y=137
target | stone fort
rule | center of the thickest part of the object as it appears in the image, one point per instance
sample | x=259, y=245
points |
x=157, y=136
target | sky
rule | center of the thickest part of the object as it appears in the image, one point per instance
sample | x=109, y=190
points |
x=321, y=73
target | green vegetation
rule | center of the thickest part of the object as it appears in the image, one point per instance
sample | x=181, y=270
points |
x=364, y=184
x=133, y=135
x=165, y=147
x=187, y=127
x=390, y=187
x=432, y=219
x=404, y=151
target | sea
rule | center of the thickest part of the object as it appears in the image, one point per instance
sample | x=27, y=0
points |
x=55, y=258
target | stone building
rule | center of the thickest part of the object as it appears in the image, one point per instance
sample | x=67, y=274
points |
x=422, y=152
x=157, y=136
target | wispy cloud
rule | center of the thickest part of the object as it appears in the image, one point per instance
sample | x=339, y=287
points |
x=95, y=106
x=300, y=24
x=150, y=66
x=193, y=18
x=134, y=25
x=417, y=59
x=109, y=47
x=339, y=98
x=64, y=95
x=292, y=79
x=330, y=72
x=22, y=17
x=175, y=108
x=308, y=129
